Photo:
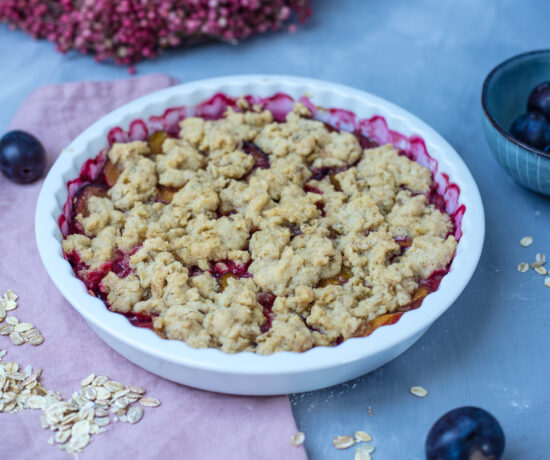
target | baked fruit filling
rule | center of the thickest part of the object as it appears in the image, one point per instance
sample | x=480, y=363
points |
x=249, y=234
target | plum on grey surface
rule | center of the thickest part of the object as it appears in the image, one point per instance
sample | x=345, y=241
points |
x=539, y=99
x=465, y=433
x=533, y=129
x=22, y=157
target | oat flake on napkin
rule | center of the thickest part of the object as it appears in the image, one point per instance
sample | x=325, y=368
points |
x=190, y=424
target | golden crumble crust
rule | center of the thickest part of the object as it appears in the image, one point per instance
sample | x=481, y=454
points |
x=247, y=234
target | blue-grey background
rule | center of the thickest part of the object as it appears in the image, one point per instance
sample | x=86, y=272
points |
x=430, y=56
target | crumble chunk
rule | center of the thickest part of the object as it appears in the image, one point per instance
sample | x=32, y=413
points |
x=247, y=234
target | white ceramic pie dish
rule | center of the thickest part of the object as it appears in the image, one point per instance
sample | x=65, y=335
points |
x=249, y=373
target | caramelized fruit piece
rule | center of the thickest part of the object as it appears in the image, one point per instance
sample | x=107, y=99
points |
x=365, y=142
x=156, y=140
x=261, y=160
x=140, y=320
x=335, y=183
x=383, y=320
x=330, y=128
x=225, y=278
x=221, y=267
x=312, y=189
x=266, y=300
x=165, y=194
x=404, y=243
x=194, y=271
x=339, y=280
x=420, y=292
x=110, y=173
x=80, y=201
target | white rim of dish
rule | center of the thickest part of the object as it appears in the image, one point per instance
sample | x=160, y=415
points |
x=54, y=193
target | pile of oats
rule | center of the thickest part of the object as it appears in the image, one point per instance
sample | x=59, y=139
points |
x=18, y=386
x=98, y=402
x=19, y=332
x=537, y=265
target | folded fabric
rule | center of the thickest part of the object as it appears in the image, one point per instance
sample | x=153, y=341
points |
x=190, y=424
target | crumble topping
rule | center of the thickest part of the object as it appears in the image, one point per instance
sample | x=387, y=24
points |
x=248, y=234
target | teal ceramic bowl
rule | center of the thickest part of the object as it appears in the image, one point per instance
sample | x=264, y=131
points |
x=504, y=97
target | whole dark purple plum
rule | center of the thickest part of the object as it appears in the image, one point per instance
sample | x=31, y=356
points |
x=465, y=433
x=22, y=157
x=539, y=100
x=533, y=129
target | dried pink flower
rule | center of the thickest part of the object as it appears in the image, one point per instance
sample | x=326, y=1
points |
x=128, y=31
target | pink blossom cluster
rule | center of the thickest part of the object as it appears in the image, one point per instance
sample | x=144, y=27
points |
x=131, y=30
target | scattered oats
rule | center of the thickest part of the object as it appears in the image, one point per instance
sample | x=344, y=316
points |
x=99, y=381
x=120, y=394
x=541, y=271
x=2, y=312
x=89, y=393
x=36, y=402
x=113, y=386
x=87, y=380
x=133, y=397
x=12, y=367
x=419, y=391
x=149, y=402
x=22, y=327
x=367, y=449
x=62, y=437
x=135, y=413
x=369, y=410
x=16, y=338
x=76, y=444
x=523, y=267
x=10, y=406
x=50, y=441
x=343, y=442
x=103, y=394
x=6, y=329
x=2, y=353
x=99, y=412
x=9, y=305
x=121, y=403
x=547, y=282
x=297, y=439
x=136, y=389
x=360, y=454
x=81, y=428
x=362, y=436
x=526, y=241
x=540, y=260
x=36, y=340
x=102, y=421
x=12, y=320
x=27, y=335
x=9, y=301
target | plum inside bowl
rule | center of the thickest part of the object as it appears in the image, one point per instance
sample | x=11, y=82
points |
x=504, y=98
x=280, y=372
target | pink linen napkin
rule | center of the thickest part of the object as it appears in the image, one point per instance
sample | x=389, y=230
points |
x=190, y=424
